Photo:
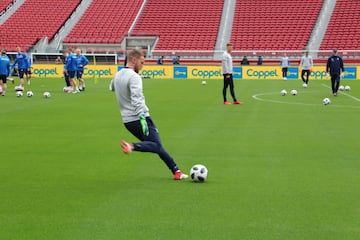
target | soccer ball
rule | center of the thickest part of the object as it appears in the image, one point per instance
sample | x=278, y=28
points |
x=203, y=82
x=19, y=93
x=293, y=92
x=65, y=89
x=1, y=90
x=326, y=101
x=29, y=93
x=283, y=92
x=347, y=88
x=198, y=173
x=46, y=95
x=341, y=88
x=304, y=85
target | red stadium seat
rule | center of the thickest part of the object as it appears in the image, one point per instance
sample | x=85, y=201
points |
x=343, y=31
x=105, y=22
x=186, y=24
x=31, y=22
x=274, y=25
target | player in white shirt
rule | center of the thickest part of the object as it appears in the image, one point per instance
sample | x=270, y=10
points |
x=227, y=68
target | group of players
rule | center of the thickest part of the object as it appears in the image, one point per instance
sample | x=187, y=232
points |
x=23, y=63
x=74, y=64
x=334, y=68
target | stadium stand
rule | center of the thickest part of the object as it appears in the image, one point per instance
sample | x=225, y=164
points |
x=186, y=24
x=34, y=20
x=343, y=30
x=105, y=22
x=274, y=25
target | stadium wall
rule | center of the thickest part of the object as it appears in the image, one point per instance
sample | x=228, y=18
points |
x=201, y=72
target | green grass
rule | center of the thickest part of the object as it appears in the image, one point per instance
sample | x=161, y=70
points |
x=281, y=168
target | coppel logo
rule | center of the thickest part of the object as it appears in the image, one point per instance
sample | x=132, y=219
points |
x=43, y=72
x=180, y=72
x=261, y=74
x=237, y=72
x=205, y=73
x=318, y=74
x=293, y=73
x=153, y=73
x=98, y=73
x=350, y=73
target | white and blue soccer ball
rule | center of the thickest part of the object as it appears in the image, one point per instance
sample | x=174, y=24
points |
x=341, y=88
x=203, y=82
x=326, y=101
x=347, y=88
x=29, y=93
x=294, y=92
x=283, y=92
x=19, y=93
x=198, y=173
x=304, y=85
x=47, y=95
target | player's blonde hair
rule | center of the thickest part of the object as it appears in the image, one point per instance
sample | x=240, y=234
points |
x=135, y=53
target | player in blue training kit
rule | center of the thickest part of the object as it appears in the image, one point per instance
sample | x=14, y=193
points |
x=4, y=70
x=335, y=66
x=67, y=88
x=71, y=68
x=20, y=60
x=82, y=62
x=28, y=69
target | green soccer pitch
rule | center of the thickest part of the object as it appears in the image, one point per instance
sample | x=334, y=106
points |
x=280, y=167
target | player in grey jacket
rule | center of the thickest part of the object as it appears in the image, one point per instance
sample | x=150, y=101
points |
x=306, y=64
x=127, y=85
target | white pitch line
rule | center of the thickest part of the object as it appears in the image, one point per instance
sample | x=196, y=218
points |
x=346, y=94
x=257, y=97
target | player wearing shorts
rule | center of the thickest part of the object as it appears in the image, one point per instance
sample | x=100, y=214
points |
x=127, y=85
x=4, y=71
x=82, y=62
x=67, y=88
x=70, y=69
x=20, y=60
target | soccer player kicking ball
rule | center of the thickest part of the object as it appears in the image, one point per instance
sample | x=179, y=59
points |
x=127, y=85
x=227, y=67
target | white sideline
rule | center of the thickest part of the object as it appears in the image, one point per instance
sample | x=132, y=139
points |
x=341, y=92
